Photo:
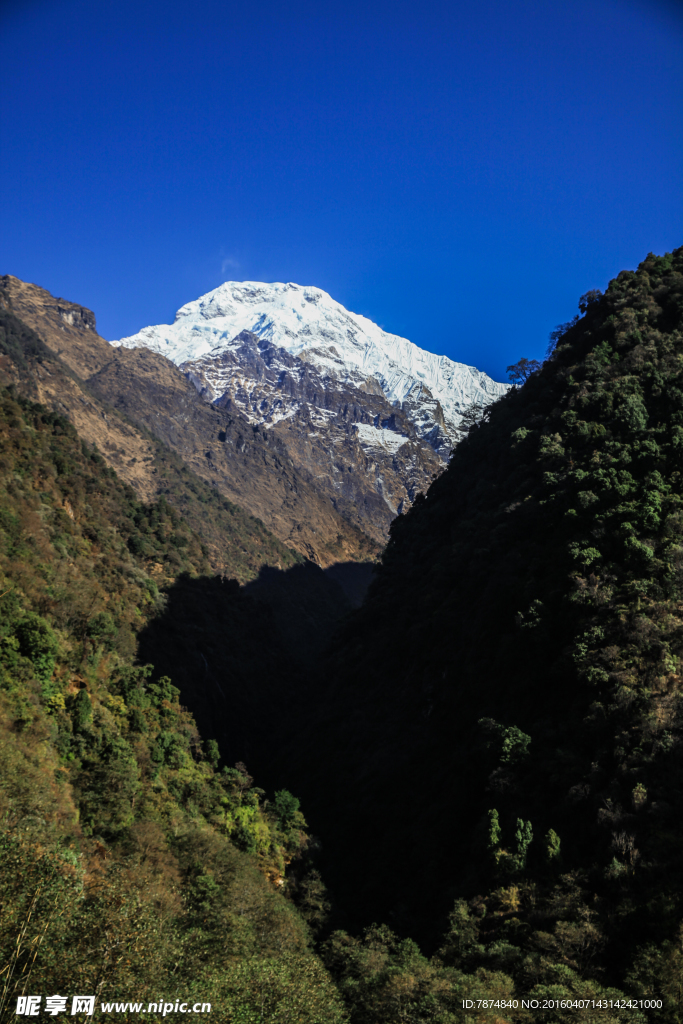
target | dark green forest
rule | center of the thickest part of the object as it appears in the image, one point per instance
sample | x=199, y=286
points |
x=488, y=751
x=502, y=718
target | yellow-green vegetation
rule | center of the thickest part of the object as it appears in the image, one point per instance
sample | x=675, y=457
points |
x=131, y=867
x=385, y=979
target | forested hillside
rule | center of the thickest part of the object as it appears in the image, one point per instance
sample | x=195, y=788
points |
x=502, y=722
x=132, y=864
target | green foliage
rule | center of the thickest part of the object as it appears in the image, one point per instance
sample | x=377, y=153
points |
x=81, y=711
x=101, y=629
x=552, y=846
x=462, y=934
x=523, y=837
x=37, y=641
x=286, y=808
x=213, y=753
x=509, y=742
x=494, y=830
x=386, y=979
x=590, y=297
x=540, y=583
x=659, y=969
x=520, y=371
x=128, y=865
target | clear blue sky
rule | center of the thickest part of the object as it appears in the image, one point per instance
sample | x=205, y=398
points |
x=459, y=172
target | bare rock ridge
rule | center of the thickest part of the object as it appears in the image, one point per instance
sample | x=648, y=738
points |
x=69, y=332
x=68, y=329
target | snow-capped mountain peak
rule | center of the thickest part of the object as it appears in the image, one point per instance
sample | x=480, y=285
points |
x=309, y=324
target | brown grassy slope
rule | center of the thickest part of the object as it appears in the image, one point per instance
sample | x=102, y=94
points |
x=69, y=332
x=237, y=544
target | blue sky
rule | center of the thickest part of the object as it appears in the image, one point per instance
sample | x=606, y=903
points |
x=459, y=172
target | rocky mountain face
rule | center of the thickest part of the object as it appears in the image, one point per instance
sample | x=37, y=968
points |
x=346, y=441
x=245, y=462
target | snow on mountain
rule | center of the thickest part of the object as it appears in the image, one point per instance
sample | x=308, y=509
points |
x=309, y=324
x=372, y=437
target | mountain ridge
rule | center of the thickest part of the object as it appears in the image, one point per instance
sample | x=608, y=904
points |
x=130, y=402
x=237, y=543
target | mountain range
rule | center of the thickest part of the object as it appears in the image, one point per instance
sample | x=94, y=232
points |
x=323, y=451
x=367, y=418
